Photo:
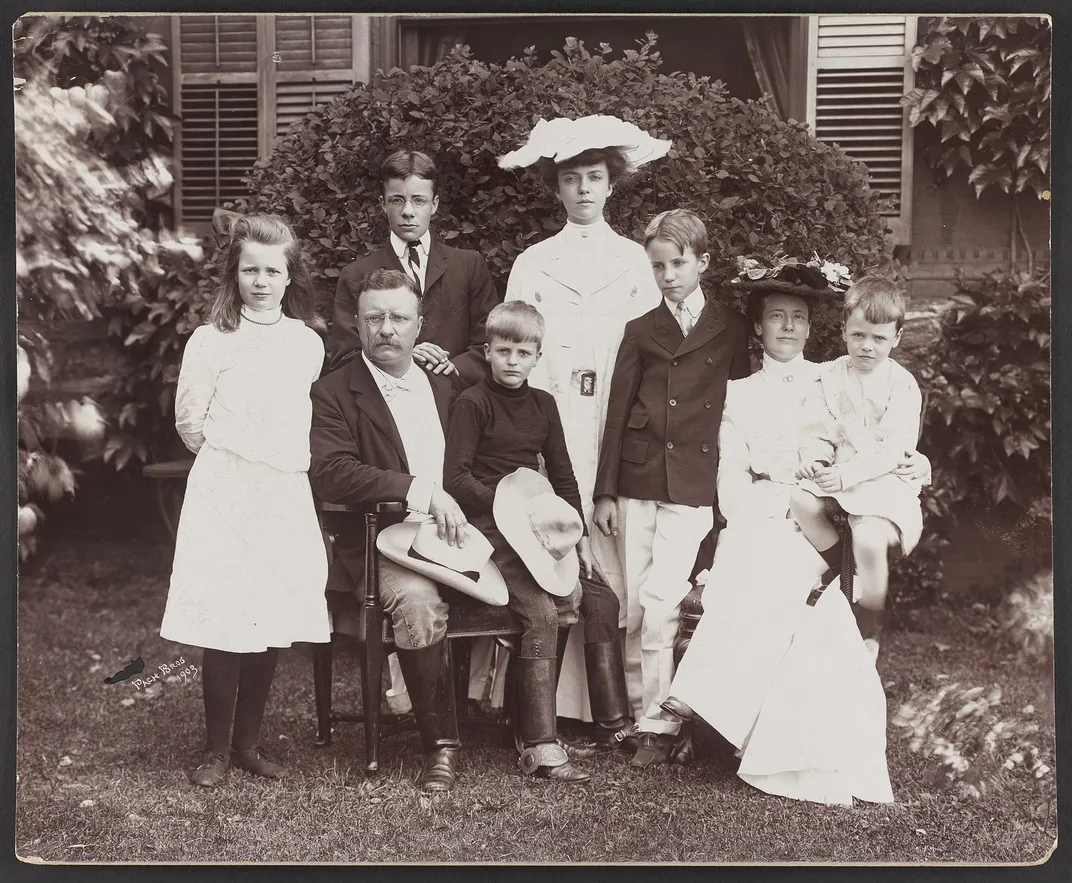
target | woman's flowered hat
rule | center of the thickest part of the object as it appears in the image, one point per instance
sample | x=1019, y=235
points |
x=790, y=275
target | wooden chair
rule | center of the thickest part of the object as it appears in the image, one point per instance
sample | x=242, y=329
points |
x=468, y=619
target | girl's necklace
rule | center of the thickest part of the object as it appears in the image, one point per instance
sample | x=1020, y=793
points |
x=275, y=321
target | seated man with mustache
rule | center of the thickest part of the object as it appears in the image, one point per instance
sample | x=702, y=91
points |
x=378, y=435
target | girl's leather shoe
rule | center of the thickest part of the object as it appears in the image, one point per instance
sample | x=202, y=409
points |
x=252, y=760
x=210, y=772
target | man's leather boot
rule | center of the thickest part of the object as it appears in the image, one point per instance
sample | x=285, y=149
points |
x=431, y=689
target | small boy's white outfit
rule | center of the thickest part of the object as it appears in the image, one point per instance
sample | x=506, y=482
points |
x=864, y=423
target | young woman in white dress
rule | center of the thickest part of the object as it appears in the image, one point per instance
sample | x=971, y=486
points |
x=250, y=564
x=587, y=282
x=783, y=676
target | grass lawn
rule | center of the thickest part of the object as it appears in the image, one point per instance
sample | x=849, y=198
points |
x=100, y=781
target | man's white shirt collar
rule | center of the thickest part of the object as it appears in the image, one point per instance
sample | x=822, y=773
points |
x=400, y=247
x=388, y=383
x=693, y=304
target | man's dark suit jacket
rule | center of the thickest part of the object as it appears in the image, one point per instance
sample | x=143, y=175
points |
x=458, y=295
x=660, y=440
x=358, y=460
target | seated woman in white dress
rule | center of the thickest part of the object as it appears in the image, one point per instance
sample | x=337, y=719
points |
x=789, y=684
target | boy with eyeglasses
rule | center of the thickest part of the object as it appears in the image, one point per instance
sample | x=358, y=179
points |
x=456, y=288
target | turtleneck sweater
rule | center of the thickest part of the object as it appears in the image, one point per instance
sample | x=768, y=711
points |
x=495, y=430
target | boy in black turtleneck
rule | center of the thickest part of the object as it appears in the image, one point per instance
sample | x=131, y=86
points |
x=496, y=427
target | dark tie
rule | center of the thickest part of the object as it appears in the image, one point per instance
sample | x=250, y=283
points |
x=415, y=263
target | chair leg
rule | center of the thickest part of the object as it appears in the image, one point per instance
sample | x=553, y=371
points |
x=371, y=687
x=460, y=650
x=322, y=657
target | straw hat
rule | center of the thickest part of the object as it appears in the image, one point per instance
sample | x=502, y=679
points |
x=541, y=527
x=562, y=139
x=468, y=569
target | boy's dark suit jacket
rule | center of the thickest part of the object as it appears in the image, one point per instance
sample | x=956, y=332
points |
x=458, y=295
x=660, y=440
x=358, y=460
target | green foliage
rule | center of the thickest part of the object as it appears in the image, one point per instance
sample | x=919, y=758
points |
x=759, y=183
x=983, y=83
x=988, y=390
x=116, y=60
x=153, y=326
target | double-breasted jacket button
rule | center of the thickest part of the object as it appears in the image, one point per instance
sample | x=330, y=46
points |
x=674, y=361
x=707, y=404
x=705, y=448
x=673, y=402
x=669, y=446
x=708, y=360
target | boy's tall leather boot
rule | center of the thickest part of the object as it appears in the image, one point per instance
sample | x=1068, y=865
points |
x=607, y=693
x=431, y=687
x=537, y=725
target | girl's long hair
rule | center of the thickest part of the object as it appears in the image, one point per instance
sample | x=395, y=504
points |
x=299, y=298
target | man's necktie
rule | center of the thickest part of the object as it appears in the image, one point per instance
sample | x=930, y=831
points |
x=683, y=318
x=415, y=264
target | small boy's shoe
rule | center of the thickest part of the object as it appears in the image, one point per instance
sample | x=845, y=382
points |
x=211, y=771
x=252, y=760
x=872, y=647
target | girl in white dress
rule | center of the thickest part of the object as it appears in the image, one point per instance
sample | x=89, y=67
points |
x=587, y=282
x=250, y=564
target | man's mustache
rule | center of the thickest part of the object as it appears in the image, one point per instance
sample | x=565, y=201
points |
x=386, y=341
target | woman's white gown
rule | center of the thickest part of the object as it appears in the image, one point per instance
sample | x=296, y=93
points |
x=791, y=686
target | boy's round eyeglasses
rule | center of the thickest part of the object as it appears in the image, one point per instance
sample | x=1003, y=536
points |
x=400, y=201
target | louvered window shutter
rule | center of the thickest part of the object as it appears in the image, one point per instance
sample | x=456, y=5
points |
x=316, y=58
x=215, y=64
x=240, y=82
x=859, y=66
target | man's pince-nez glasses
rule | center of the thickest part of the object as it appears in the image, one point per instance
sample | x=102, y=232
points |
x=400, y=201
x=376, y=320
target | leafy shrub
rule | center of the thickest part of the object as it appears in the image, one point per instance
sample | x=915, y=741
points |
x=978, y=746
x=988, y=390
x=759, y=183
x=1026, y=620
x=983, y=83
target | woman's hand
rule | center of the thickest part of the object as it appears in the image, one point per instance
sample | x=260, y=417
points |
x=913, y=467
x=809, y=470
x=606, y=516
x=589, y=565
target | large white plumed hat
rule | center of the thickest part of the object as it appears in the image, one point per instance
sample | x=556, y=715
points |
x=562, y=139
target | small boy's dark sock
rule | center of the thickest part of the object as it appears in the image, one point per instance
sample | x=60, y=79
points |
x=869, y=621
x=832, y=557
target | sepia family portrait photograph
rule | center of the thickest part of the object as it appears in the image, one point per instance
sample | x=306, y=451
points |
x=533, y=438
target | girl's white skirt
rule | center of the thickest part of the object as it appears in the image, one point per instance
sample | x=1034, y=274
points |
x=250, y=563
